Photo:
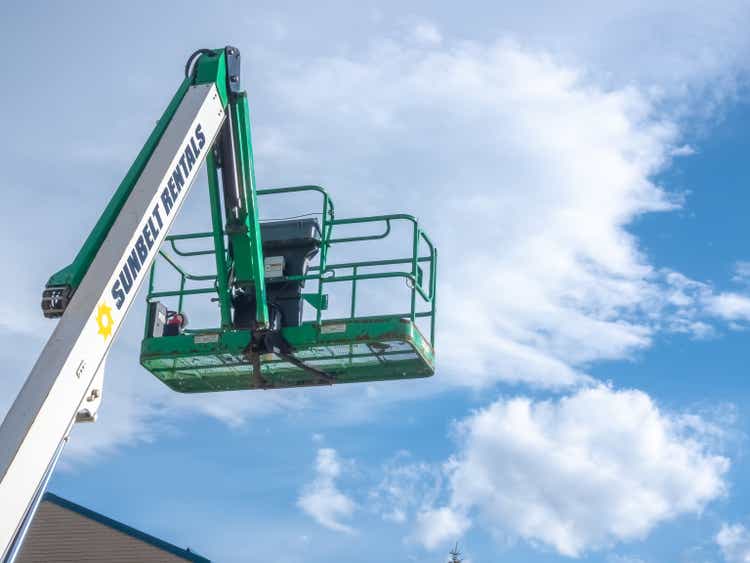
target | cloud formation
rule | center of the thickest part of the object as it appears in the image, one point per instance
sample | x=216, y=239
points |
x=322, y=500
x=406, y=486
x=731, y=306
x=742, y=272
x=734, y=542
x=534, y=172
x=578, y=473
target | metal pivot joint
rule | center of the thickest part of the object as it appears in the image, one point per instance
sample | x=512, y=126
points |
x=233, y=69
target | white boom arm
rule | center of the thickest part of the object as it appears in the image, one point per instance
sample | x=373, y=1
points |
x=60, y=382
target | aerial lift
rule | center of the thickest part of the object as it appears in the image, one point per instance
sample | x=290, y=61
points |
x=264, y=273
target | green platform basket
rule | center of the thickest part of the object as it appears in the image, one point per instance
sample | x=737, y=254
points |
x=348, y=350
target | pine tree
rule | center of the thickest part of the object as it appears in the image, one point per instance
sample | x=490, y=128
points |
x=455, y=555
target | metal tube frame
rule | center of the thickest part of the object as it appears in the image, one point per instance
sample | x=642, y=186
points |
x=323, y=273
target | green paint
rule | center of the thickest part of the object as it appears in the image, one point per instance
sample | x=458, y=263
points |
x=357, y=351
x=253, y=224
x=213, y=70
x=244, y=230
x=318, y=302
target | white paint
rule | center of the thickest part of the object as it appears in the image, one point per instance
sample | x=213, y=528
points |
x=274, y=266
x=333, y=328
x=206, y=338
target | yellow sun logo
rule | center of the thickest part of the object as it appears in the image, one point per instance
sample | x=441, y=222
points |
x=104, y=320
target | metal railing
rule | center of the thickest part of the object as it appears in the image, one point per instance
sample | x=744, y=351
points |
x=423, y=258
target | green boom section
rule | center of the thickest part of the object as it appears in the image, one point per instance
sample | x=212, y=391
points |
x=349, y=350
x=208, y=69
x=243, y=230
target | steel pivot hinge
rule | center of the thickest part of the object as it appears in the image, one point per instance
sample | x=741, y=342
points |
x=233, y=69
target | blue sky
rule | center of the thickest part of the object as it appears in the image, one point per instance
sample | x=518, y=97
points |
x=581, y=170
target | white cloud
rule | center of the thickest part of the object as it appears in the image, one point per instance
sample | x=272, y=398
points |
x=322, y=499
x=692, y=307
x=734, y=542
x=681, y=50
x=681, y=306
x=436, y=527
x=533, y=172
x=624, y=559
x=579, y=473
x=406, y=486
x=741, y=272
x=684, y=150
x=428, y=33
x=730, y=306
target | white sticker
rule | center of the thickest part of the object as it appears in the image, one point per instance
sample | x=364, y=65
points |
x=333, y=328
x=274, y=266
x=206, y=338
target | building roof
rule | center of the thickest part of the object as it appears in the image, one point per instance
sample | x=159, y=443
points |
x=185, y=554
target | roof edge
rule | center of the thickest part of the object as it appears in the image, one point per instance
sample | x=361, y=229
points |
x=124, y=528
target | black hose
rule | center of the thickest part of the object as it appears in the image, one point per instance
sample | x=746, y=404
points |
x=192, y=58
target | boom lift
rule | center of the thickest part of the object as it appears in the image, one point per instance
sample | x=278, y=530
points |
x=262, y=338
